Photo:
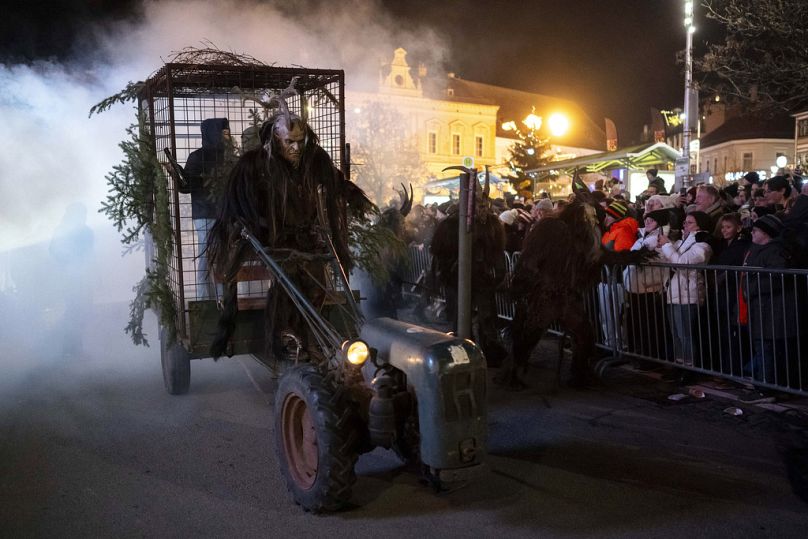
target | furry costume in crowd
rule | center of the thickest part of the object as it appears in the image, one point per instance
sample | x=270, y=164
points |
x=286, y=205
x=386, y=297
x=561, y=261
x=487, y=272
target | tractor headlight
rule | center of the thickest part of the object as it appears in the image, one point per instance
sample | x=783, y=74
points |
x=356, y=352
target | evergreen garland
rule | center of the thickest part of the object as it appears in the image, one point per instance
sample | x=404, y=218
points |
x=129, y=203
x=137, y=204
x=376, y=249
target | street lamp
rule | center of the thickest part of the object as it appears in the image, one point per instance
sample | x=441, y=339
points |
x=559, y=124
x=691, y=102
x=532, y=122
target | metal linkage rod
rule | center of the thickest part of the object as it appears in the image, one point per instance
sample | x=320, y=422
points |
x=325, y=334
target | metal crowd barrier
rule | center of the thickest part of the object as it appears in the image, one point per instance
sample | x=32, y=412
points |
x=743, y=324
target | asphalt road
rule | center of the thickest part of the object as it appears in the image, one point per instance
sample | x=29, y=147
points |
x=94, y=447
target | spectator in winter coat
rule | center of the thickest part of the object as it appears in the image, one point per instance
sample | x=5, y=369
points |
x=708, y=200
x=686, y=287
x=622, y=229
x=776, y=190
x=732, y=345
x=655, y=182
x=644, y=285
x=772, y=309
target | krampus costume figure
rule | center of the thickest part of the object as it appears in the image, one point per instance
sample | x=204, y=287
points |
x=386, y=297
x=290, y=196
x=562, y=259
x=487, y=272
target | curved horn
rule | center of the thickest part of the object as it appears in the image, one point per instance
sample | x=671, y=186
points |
x=406, y=201
x=458, y=167
x=279, y=102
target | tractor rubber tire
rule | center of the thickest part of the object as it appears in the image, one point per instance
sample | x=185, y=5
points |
x=176, y=362
x=316, y=439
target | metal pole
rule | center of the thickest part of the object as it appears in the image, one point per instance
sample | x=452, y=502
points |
x=686, y=135
x=464, y=256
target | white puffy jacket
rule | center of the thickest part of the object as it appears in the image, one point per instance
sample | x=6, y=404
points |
x=686, y=287
x=643, y=279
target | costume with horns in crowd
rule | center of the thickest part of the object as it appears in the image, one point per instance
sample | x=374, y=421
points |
x=487, y=271
x=386, y=297
x=562, y=259
x=298, y=207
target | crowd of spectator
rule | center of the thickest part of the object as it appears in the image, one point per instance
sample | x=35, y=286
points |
x=724, y=319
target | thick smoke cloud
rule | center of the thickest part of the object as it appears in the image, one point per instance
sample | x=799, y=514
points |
x=54, y=157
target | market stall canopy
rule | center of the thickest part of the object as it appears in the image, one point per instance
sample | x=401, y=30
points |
x=454, y=182
x=641, y=156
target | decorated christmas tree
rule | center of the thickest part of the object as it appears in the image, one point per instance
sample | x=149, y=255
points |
x=531, y=151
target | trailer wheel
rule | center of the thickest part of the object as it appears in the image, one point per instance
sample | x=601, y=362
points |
x=315, y=439
x=176, y=363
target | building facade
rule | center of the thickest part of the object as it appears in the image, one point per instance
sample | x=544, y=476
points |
x=452, y=121
x=745, y=143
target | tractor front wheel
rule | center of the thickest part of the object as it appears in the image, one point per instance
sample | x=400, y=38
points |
x=315, y=439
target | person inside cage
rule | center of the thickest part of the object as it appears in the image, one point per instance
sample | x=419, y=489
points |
x=203, y=171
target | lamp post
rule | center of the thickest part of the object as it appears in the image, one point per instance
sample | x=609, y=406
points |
x=691, y=104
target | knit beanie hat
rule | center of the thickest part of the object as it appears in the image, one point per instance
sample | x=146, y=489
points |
x=665, y=200
x=662, y=217
x=617, y=209
x=545, y=204
x=731, y=190
x=770, y=224
x=752, y=177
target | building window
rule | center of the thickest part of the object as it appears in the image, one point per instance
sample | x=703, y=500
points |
x=802, y=128
x=747, y=161
x=433, y=142
x=725, y=164
x=478, y=146
x=455, y=144
x=707, y=166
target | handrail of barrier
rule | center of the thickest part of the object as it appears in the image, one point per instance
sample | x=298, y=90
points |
x=770, y=350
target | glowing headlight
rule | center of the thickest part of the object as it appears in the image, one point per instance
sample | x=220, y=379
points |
x=356, y=352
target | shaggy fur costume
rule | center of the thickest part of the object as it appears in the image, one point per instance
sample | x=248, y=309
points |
x=561, y=261
x=487, y=273
x=286, y=208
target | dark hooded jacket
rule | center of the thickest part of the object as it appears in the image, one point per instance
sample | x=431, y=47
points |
x=659, y=183
x=201, y=164
x=796, y=232
x=772, y=297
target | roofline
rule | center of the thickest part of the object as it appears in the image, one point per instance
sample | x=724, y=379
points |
x=605, y=157
x=734, y=141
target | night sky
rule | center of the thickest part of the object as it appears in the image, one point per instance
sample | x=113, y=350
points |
x=616, y=58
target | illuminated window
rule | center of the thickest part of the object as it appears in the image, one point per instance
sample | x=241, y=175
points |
x=455, y=144
x=433, y=142
x=478, y=146
x=802, y=128
x=747, y=161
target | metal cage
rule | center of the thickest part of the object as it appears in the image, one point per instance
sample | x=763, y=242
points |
x=175, y=101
